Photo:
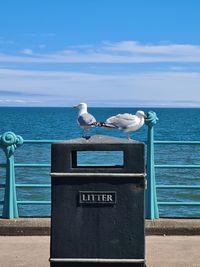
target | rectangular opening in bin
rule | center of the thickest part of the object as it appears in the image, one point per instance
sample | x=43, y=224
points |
x=97, y=159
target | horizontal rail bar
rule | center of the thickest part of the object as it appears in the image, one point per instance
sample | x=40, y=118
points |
x=179, y=203
x=178, y=186
x=177, y=142
x=31, y=202
x=28, y=185
x=37, y=165
x=33, y=185
x=49, y=165
x=96, y=260
x=157, y=186
x=77, y=174
x=50, y=141
x=176, y=166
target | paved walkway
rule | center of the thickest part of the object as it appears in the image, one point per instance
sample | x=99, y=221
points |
x=161, y=251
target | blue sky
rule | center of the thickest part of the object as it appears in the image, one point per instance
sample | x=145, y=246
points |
x=102, y=52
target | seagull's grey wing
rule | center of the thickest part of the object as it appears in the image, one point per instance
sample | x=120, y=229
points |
x=126, y=116
x=122, y=121
x=86, y=119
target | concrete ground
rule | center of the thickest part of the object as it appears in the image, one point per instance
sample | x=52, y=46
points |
x=161, y=251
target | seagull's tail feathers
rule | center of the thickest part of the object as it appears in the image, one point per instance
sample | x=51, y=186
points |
x=94, y=124
x=106, y=125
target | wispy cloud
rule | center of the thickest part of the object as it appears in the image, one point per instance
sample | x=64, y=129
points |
x=67, y=88
x=50, y=84
x=27, y=51
x=164, y=49
x=119, y=52
x=20, y=94
x=18, y=101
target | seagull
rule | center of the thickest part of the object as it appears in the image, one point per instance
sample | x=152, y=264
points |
x=85, y=119
x=126, y=122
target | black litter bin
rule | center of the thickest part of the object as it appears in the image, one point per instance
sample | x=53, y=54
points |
x=97, y=211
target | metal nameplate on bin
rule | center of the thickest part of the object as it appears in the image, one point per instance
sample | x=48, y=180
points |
x=98, y=197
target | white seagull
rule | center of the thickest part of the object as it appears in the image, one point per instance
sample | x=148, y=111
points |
x=126, y=122
x=85, y=119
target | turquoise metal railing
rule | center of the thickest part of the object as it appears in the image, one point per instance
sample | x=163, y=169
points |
x=9, y=142
x=178, y=166
x=151, y=196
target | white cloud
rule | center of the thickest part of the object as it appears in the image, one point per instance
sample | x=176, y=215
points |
x=27, y=51
x=165, y=49
x=67, y=88
x=175, y=86
x=17, y=101
x=119, y=52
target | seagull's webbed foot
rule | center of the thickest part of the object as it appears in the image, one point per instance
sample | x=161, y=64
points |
x=85, y=135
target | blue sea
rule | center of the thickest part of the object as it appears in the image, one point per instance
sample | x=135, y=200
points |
x=175, y=124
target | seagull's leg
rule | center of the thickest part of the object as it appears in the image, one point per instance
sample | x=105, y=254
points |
x=86, y=132
x=83, y=131
x=129, y=136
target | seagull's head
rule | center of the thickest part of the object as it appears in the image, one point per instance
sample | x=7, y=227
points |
x=81, y=106
x=141, y=114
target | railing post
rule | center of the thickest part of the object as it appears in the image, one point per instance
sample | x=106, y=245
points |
x=151, y=197
x=9, y=142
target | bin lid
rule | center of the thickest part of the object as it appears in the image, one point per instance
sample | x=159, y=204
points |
x=100, y=139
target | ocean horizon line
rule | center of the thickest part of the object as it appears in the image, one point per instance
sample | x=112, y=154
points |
x=92, y=106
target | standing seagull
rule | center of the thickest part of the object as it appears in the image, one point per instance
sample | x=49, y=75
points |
x=85, y=119
x=126, y=122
